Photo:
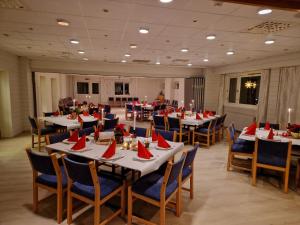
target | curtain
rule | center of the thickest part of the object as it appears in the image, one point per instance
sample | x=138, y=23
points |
x=221, y=95
x=262, y=106
x=194, y=89
x=288, y=95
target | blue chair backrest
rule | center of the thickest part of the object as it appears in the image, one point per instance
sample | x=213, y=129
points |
x=47, y=114
x=139, y=131
x=110, y=116
x=129, y=107
x=231, y=132
x=176, y=169
x=78, y=172
x=89, y=124
x=156, y=108
x=272, y=152
x=163, y=107
x=86, y=131
x=159, y=120
x=59, y=137
x=190, y=156
x=174, y=122
x=272, y=125
x=107, y=107
x=32, y=123
x=213, y=123
x=223, y=118
x=168, y=135
x=207, y=124
x=110, y=124
x=41, y=163
x=138, y=108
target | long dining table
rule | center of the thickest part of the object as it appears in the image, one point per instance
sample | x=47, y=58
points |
x=190, y=120
x=126, y=158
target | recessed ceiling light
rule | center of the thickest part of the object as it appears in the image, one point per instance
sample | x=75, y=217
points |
x=123, y=61
x=157, y=63
x=211, y=37
x=184, y=50
x=189, y=64
x=133, y=46
x=264, y=11
x=81, y=52
x=74, y=41
x=127, y=55
x=85, y=59
x=166, y=1
x=63, y=22
x=144, y=30
x=269, y=42
x=230, y=53
x=205, y=60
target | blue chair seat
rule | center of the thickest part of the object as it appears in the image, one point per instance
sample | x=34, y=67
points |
x=242, y=148
x=47, y=130
x=107, y=186
x=150, y=186
x=203, y=130
x=178, y=129
x=186, y=171
x=51, y=180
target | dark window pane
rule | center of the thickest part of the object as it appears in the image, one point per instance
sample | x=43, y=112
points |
x=82, y=88
x=126, y=87
x=232, y=90
x=95, y=88
x=249, y=90
x=118, y=88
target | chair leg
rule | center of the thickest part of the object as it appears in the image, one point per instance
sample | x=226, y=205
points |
x=208, y=140
x=189, y=133
x=192, y=186
x=96, y=213
x=32, y=140
x=162, y=213
x=297, y=174
x=178, y=202
x=39, y=142
x=180, y=137
x=35, y=197
x=129, y=207
x=229, y=161
x=123, y=200
x=193, y=138
x=69, y=208
x=286, y=181
x=59, y=205
x=254, y=170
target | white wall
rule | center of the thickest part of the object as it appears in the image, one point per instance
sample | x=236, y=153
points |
x=171, y=93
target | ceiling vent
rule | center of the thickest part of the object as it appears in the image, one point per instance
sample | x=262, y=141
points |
x=11, y=4
x=269, y=27
x=180, y=60
x=145, y=61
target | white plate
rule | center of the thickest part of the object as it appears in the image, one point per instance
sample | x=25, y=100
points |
x=118, y=155
x=160, y=148
x=142, y=159
x=68, y=142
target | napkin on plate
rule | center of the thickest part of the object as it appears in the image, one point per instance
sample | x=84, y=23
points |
x=161, y=142
x=210, y=113
x=74, y=136
x=80, y=144
x=97, y=115
x=267, y=126
x=79, y=119
x=143, y=152
x=56, y=113
x=110, y=151
x=205, y=115
x=154, y=136
x=251, y=129
x=271, y=135
x=179, y=109
x=198, y=117
x=85, y=113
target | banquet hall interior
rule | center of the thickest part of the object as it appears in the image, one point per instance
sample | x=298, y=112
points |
x=150, y=112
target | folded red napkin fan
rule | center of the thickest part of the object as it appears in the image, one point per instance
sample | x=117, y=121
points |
x=267, y=126
x=178, y=110
x=74, y=136
x=80, y=144
x=79, y=119
x=85, y=113
x=205, y=115
x=111, y=150
x=210, y=113
x=198, y=117
x=56, y=113
x=143, y=152
x=271, y=135
x=97, y=134
x=97, y=115
x=161, y=142
x=251, y=130
x=154, y=136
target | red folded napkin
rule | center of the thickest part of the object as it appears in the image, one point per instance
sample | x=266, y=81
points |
x=97, y=134
x=162, y=113
x=251, y=129
x=55, y=113
x=154, y=136
x=80, y=144
x=79, y=119
x=143, y=152
x=74, y=136
x=126, y=133
x=267, y=126
x=161, y=142
x=166, y=113
x=198, y=117
x=111, y=151
x=205, y=115
x=97, y=115
x=120, y=126
x=182, y=115
x=210, y=113
x=178, y=110
x=271, y=135
x=85, y=113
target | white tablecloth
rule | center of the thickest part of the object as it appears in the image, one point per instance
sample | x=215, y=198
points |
x=65, y=122
x=192, y=121
x=128, y=161
x=261, y=133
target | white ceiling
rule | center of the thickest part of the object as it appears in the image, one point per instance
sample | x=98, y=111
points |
x=33, y=31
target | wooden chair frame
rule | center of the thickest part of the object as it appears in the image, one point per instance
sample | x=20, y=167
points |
x=97, y=202
x=285, y=170
x=165, y=122
x=130, y=113
x=180, y=134
x=162, y=204
x=59, y=191
x=190, y=177
x=207, y=135
x=220, y=132
x=39, y=135
x=231, y=155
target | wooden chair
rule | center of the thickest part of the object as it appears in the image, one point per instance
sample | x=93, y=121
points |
x=128, y=111
x=168, y=135
x=89, y=124
x=219, y=128
x=110, y=116
x=174, y=124
x=139, y=131
x=109, y=125
x=159, y=122
x=238, y=148
x=158, y=190
x=55, y=138
x=207, y=131
x=272, y=155
x=47, y=174
x=86, y=185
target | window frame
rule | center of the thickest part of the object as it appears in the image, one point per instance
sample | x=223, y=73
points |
x=123, y=86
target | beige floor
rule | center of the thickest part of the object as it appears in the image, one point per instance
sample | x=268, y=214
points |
x=221, y=197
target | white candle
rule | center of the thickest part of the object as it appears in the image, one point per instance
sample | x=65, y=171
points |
x=191, y=106
x=182, y=103
x=134, y=120
x=74, y=103
x=289, y=118
x=102, y=115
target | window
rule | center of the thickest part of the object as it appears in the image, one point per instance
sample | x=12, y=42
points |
x=249, y=90
x=82, y=88
x=232, y=90
x=121, y=88
x=95, y=88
